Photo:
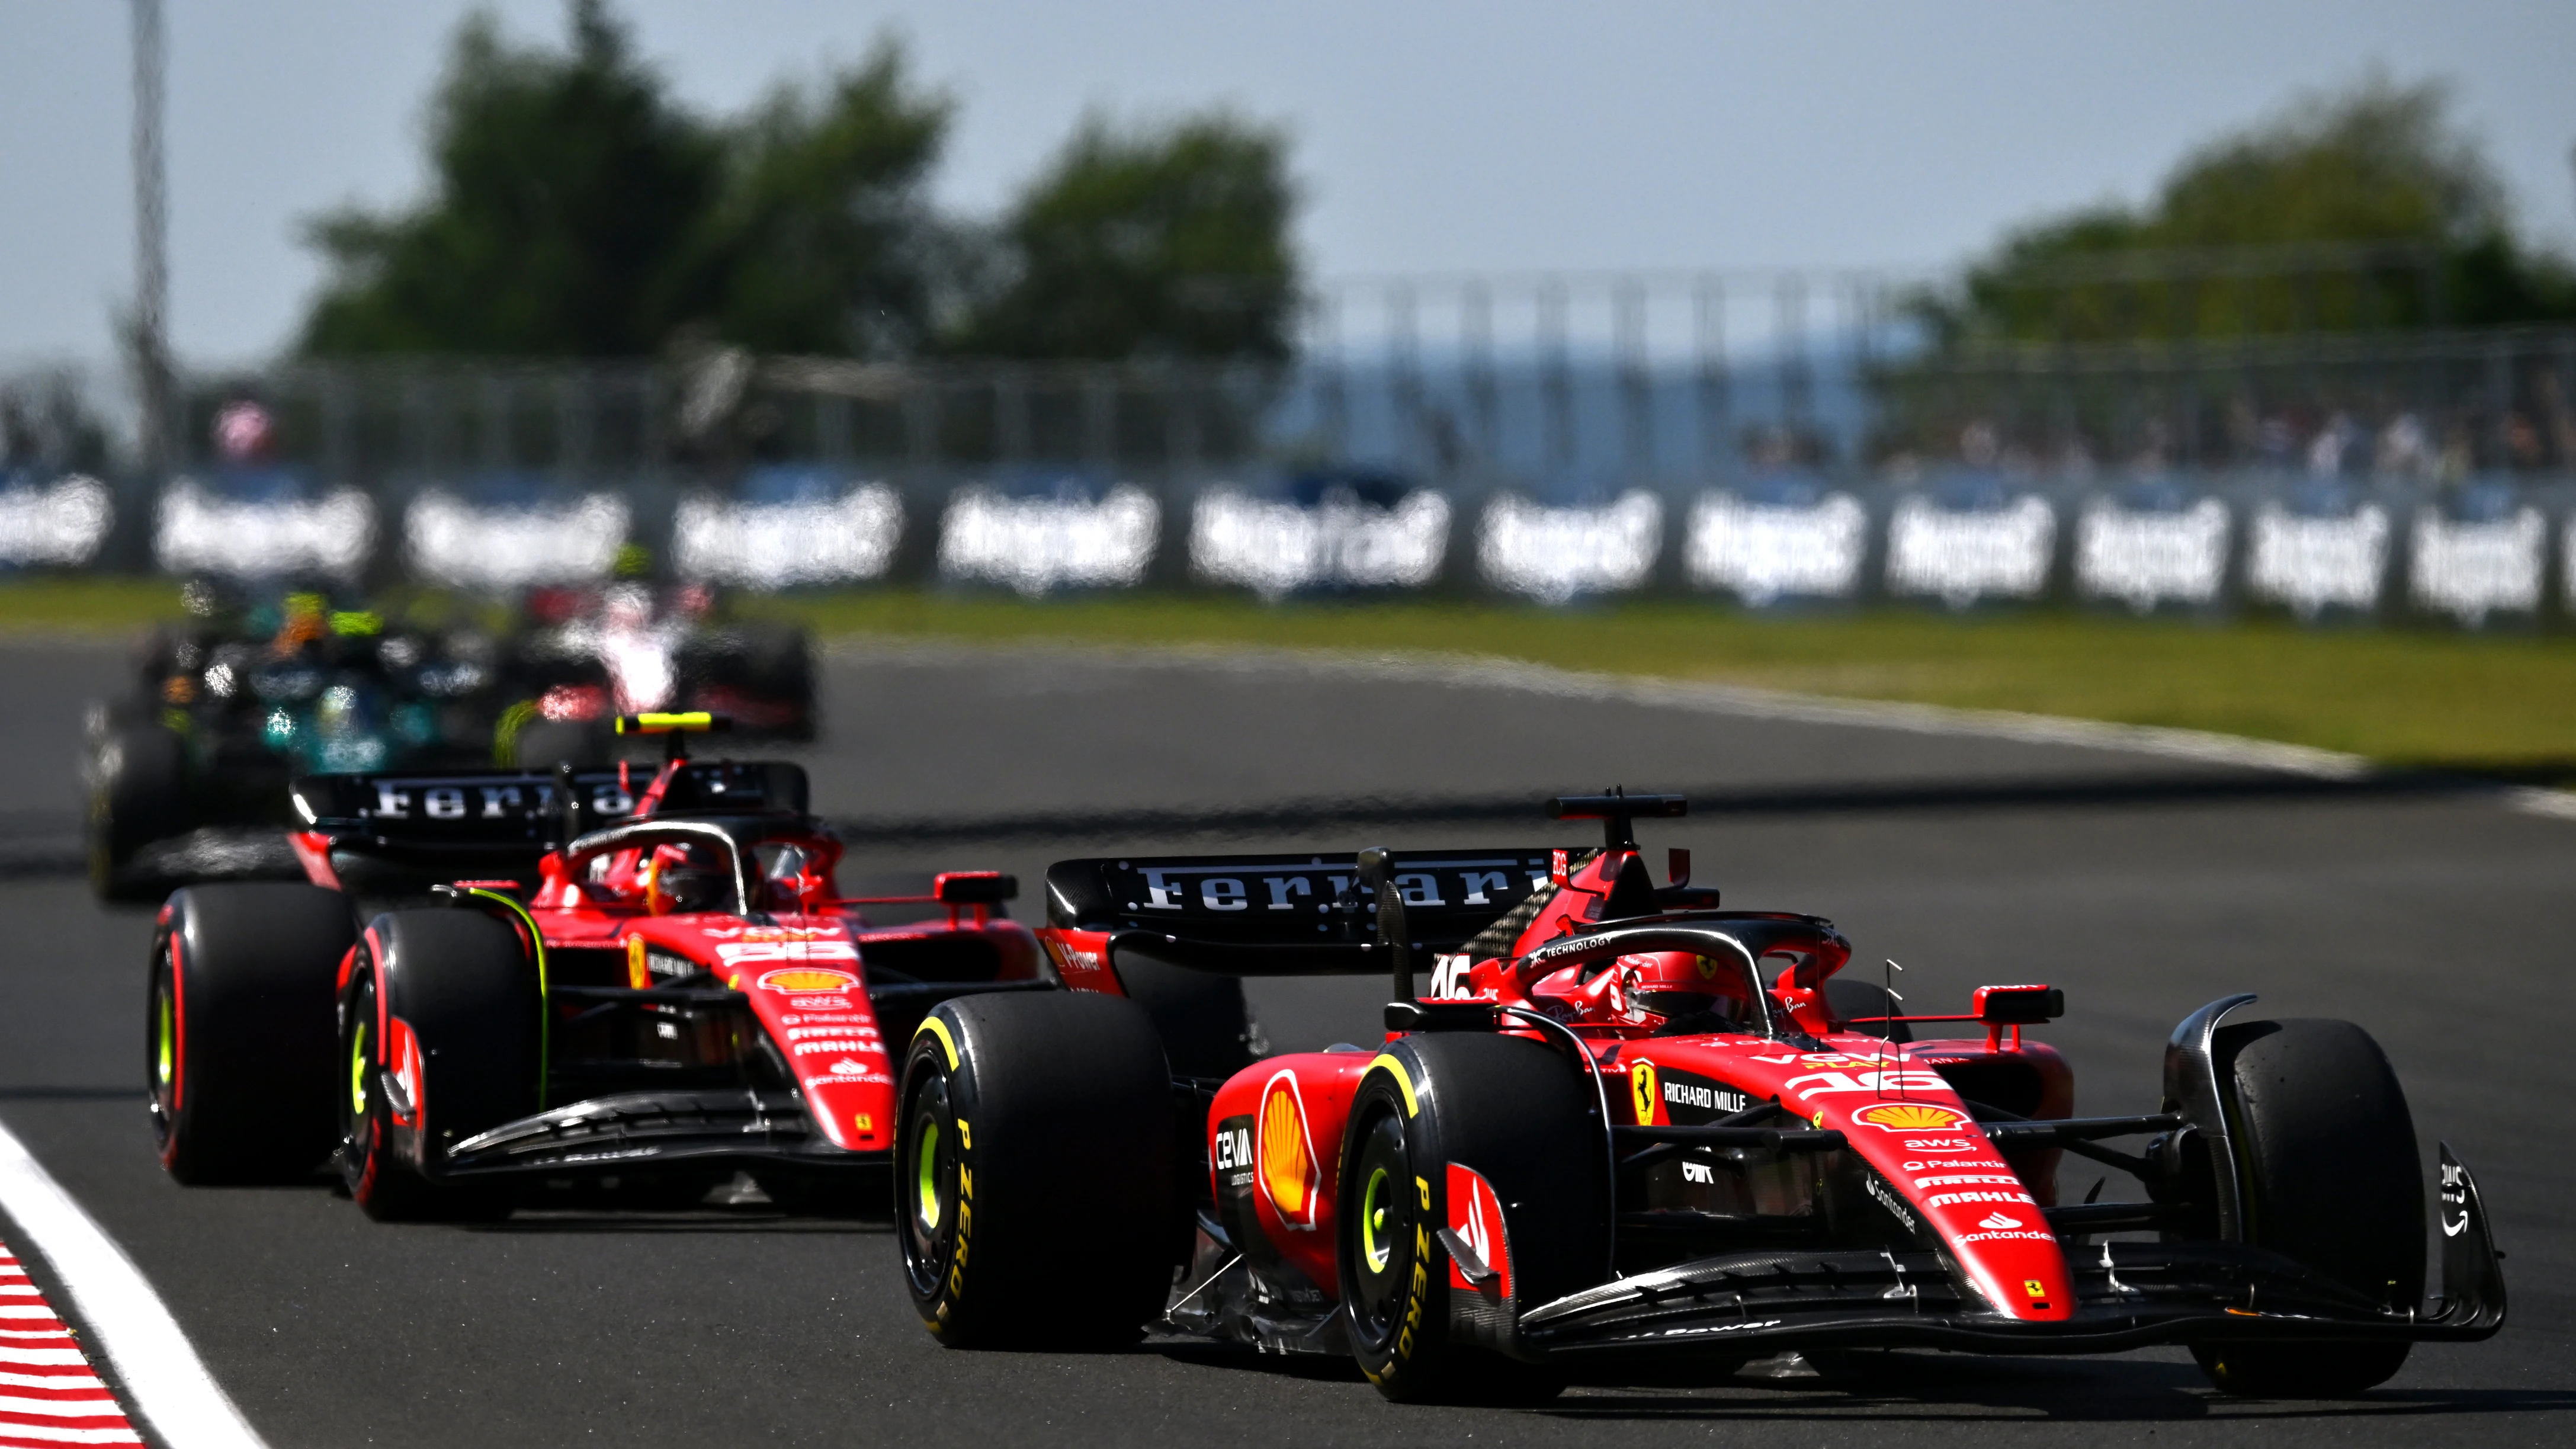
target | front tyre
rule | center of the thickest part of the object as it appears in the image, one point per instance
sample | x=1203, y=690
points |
x=2325, y=1147
x=1035, y=1172
x=1433, y=1112
x=438, y=1041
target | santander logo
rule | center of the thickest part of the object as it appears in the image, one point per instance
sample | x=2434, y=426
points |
x=1998, y=1221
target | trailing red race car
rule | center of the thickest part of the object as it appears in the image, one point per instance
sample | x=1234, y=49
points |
x=1636, y=1129
x=646, y=980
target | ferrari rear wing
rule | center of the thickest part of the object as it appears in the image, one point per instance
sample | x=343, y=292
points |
x=1295, y=914
x=459, y=809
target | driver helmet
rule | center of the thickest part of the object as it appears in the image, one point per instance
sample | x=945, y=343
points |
x=684, y=877
x=1677, y=985
x=243, y=431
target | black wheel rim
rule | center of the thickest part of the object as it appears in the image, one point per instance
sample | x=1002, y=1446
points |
x=355, y=1089
x=162, y=1063
x=1378, y=1228
x=927, y=1179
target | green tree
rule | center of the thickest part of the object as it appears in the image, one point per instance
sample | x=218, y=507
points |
x=823, y=240
x=568, y=187
x=1150, y=242
x=2360, y=208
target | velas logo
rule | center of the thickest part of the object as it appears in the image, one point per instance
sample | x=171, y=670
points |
x=1910, y=1117
x=1284, y=1160
x=1997, y=1222
x=1641, y=1087
x=807, y=978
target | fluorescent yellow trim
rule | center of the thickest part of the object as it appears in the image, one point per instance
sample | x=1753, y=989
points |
x=658, y=724
x=1403, y=1081
x=939, y=1029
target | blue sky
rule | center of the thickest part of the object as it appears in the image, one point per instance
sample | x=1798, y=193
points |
x=1430, y=137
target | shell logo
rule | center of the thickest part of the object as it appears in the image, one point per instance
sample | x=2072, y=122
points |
x=807, y=978
x=1284, y=1158
x=1641, y=1086
x=1910, y=1117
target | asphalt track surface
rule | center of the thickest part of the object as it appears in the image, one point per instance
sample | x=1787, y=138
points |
x=2144, y=886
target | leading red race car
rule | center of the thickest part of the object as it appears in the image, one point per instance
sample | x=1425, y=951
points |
x=1634, y=1128
x=640, y=979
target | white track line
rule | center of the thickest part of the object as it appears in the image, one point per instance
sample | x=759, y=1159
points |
x=170, y=1387
x=1475, y=671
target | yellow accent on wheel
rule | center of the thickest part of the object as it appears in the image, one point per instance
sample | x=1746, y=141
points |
x=1403, y=1081
x=939, y=1029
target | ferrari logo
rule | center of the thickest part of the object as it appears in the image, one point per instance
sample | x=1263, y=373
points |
x=1641, y=1085
x=2032, y=1287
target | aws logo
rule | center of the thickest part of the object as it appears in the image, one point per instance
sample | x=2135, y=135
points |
x=1641, y=1089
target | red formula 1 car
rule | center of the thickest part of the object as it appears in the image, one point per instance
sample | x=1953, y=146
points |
x=640, y=980
x=1634, y=1130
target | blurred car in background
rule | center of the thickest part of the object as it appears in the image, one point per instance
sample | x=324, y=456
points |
x=188, y=765
x=584, y=654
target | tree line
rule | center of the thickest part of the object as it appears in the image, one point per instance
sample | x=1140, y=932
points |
x=2358, y=208
x=578, y=209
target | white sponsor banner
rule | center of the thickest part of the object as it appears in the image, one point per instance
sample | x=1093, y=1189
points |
x=1553, y=554
x=1959, y=556
x=1764, y=551
x=454, y=542
x=196, y=530
x=1276, y=548
x=1037, y=544
x=772, y=545
x=2470, y=570
x=2142, y=557
x=2310, y=563
x=63, y=522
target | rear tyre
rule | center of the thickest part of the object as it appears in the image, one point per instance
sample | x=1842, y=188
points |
x=1035, y=1172
x=237, y=1030
x=438, y=1041
x=138, y=794
x=1512, y=1111
x=1853, y=1002
x=2325, y=1148
x=1205, y=1027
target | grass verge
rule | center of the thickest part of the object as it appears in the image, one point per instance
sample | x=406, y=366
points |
x=2501, y=703
x=2490, y=703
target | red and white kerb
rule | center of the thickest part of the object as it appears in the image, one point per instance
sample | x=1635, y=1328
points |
x=49, y=1395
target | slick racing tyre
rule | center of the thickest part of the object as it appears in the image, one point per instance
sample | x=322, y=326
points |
x=2325, y=1149
x=438, y=1041
x=1853, y=1002
x=1035, y=1172
x=237, y=1030
x=138, y=794
x=1433, y=1114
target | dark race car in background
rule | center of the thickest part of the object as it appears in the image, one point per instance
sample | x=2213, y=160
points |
x=582, y=655
x=188, y=767
x=1633, y=1133
x=630, y=981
